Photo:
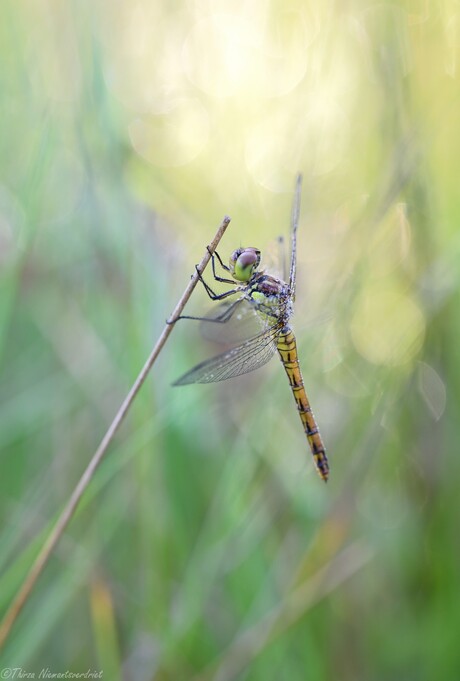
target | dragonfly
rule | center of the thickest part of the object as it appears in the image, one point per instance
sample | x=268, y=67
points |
x=258, y=305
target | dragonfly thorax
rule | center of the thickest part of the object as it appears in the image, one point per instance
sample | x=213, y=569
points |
x=271, y=296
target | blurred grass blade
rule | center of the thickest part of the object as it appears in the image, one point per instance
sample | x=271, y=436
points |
x=69, y=510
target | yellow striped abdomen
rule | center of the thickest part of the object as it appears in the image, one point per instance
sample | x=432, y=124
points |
x=287, y=348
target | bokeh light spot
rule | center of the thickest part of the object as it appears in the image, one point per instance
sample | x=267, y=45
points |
x=387, y=326
x=216, y=54
x=391, y=242
x=228, y=53
x=173, y=139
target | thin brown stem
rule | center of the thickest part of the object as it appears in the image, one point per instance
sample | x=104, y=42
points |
x=72, y=504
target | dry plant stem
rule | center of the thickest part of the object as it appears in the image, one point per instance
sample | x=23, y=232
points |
x=70, y=508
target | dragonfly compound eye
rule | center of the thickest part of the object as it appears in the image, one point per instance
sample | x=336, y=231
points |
x=243, y=262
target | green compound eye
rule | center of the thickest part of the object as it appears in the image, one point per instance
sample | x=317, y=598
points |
x=243, y=263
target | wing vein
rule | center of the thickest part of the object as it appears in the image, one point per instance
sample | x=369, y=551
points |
x=242, y=359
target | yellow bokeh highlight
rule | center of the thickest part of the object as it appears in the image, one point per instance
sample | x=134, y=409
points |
x=391, y=241
x=387, y=326
x=261, y=53
x=171, y=140
x=194, y=77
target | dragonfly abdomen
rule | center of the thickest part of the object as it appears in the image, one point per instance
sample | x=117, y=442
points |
x=287, y=349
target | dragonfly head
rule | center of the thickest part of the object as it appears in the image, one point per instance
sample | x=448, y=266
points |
x=244, y=262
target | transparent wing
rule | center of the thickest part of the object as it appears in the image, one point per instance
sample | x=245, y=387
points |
x=294, y=224
x=246, y=357
x=232, y=322
x=273, y=258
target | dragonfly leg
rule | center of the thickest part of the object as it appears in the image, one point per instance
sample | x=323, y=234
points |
x=216, y=277
x=212, y=294
x=221, y=319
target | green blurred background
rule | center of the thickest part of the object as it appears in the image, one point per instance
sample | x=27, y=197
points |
x=207, y=547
